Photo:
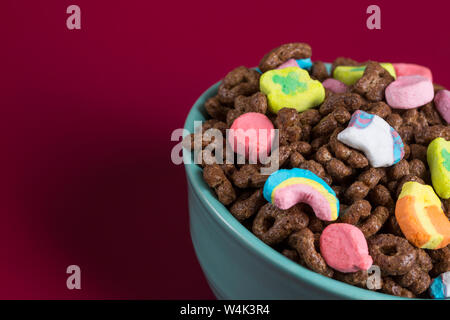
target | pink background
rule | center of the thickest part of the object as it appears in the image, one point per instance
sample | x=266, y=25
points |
x=86, y=176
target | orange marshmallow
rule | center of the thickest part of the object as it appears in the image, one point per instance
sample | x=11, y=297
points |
x=421, y=218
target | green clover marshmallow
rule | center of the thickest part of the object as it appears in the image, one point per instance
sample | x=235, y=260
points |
x=438, y=158
x=291, y=88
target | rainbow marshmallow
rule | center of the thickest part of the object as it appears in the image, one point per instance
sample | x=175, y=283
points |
x=287, y=187
x=420, y=216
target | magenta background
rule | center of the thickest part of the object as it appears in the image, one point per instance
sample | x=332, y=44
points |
x=86, y=176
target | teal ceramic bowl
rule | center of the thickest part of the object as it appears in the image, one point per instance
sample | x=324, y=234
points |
x=235, y=262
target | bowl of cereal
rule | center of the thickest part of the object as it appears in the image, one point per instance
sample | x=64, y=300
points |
x=335, y=219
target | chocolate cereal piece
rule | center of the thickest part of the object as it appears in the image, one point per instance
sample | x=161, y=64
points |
x=394, y=120
x=393, y=227
x=441, y=260
x=255, y=103
x=215, y=109
x=431, y=114
x=423, y=260
x=419, y=152
x=245, y=208
x=240, y=81
x=325, y=127
x=310, y=117
x=399, y=170
x=375, y=221
x=323, y=155
x=416, y=280
x=296, y=159
x=418, y=168
x=318, y=142
x=350, y=101
x=337, y=169
x=315, y=224
x=292, y=255
x=314, y=167
x=381, y=196
x=341, y=115
x=407, y=150
x=204, y=139
x=373, y=82
x=283, y=53
x=302, y=147
x=358, y=278
x=428, y=134
x=366, y=181
x=319, y=71
x=380, y=109
x=359, y=209
x=273, y=225
x=303, y=242
x=391, y=287
x=232, y=115
x=216, y=179
x=288, y=122
x=357, y=191
x=249, y=175
x=406, y=132
x=394, y=255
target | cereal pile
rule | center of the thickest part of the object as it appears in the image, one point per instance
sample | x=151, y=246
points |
x=335, y=121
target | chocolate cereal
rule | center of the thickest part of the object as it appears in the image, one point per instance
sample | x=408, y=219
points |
x=309, y=140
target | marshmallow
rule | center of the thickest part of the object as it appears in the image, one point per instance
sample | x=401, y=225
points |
x=409, y=92
x=420, y=216
x=328, y=66
x=291, y=87
x=438, y=158
x=442, y=103
x=350, y=75
x=300, y=63
x=344, y=248
x=251, y=134
x=334, y=85
x=410, y=69
x=440, y=286
x=370, y=134
x=287, y=187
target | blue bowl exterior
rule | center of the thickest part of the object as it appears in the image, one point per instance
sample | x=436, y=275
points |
x=236, y=263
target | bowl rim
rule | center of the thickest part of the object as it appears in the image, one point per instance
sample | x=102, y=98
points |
x=248, y=240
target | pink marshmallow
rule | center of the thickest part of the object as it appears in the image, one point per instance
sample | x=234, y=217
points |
x=410, y=69
x=288, y=63
x=409, y=92
x=289, y=196
x=344, y=248
x=252, y=133
x=442, y=103
x=335, y=86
